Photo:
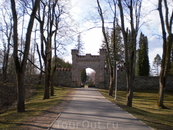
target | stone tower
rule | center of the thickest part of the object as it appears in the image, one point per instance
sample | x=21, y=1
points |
x=96, y=62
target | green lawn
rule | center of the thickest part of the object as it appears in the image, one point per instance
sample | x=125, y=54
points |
x=34, y=106
x=145, y=109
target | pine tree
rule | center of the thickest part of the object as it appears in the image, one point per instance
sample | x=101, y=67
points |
x=80, y=45
x=119, y=49
x=83, y=76
x=143, y=60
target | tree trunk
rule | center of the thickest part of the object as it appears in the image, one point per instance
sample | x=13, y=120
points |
x=51, y=85
x=46, y=88
x=20, y=92
x=111, y=83
x=40, y=78
x=41, y=67
x=5, y=65
x=51, y=80
x=47, y=70
x=164, y=70
x=129, y=95
x=161, y=92
x=47, y=83
x=167, y=45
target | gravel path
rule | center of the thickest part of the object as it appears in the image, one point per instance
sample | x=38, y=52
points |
x=90, y=110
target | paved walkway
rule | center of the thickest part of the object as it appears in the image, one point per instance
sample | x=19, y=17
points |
x=89, y=110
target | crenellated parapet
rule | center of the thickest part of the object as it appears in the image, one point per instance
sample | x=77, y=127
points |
x=63, y=69
x=102, y=51
x=74, y=52
x=88, y=57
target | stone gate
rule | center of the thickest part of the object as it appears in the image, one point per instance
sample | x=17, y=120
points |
x=95, y=62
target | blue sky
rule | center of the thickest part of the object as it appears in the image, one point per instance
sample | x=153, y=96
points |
x=83, y=12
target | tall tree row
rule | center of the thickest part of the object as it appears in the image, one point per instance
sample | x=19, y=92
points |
x=133, y=9
x=55, y=26
x=52, y=29
x=143, y=60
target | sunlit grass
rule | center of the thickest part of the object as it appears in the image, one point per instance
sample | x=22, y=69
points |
x=145, y=109
x=34, y=106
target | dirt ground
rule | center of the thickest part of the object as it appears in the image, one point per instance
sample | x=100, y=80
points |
x=45, y=120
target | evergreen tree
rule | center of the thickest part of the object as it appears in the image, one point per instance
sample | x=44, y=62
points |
x=83, y=76
x=143, y=60
x=80, y=44
x=60, y=63
x=119, y=48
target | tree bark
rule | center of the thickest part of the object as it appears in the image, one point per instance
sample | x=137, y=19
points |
x=111, y=83
x=167, y=45
x=20, y=92
x=47, y=70
x=41, y=67
x=51, y=79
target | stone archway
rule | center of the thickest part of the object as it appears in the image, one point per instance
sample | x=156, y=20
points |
x=96, y=62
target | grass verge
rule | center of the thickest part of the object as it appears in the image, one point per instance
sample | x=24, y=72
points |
x=145, y=109
x=34, y=106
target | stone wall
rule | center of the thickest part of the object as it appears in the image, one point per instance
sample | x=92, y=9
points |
x=141, y=82
x=63, y=76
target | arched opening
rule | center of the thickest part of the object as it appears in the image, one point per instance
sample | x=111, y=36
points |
x=83, y=77
x=91, y=80
x=88, y=77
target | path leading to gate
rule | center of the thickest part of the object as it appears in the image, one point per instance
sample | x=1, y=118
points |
x=89, y=110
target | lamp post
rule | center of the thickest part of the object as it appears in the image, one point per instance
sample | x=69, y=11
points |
x=116, y=77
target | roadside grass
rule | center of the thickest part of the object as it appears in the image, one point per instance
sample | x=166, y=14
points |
x=34, y=106
x=145, y=109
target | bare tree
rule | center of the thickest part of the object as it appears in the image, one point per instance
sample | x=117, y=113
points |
x=166, y=19
x=50, y=17
x=6, y=30
x=111, y=65
x=21, y=66
x=133, y=7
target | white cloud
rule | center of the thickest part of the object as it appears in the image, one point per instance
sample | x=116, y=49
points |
x=92, y=41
